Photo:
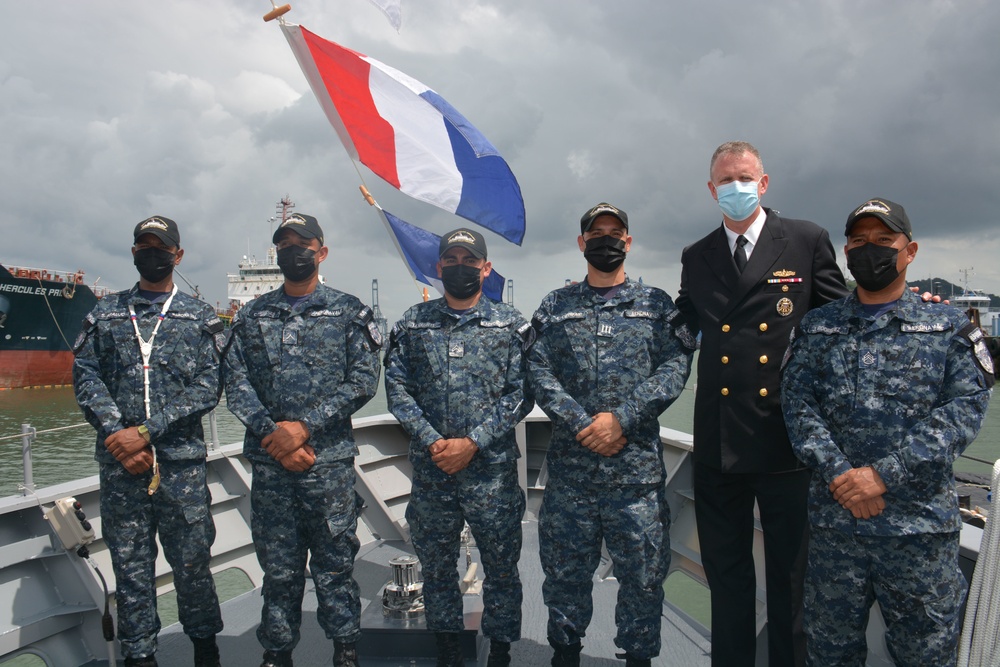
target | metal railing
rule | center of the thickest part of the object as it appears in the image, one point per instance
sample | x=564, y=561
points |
x=29, y=434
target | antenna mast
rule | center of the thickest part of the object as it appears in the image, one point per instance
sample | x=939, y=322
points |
x=377, y=312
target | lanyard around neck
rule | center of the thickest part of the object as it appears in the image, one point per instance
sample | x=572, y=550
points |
x=146, y=346
x=146, y=350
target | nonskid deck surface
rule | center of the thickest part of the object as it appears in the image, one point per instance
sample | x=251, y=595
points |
x=682, y=645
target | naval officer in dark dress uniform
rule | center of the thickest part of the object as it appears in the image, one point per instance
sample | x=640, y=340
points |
x=745, y=286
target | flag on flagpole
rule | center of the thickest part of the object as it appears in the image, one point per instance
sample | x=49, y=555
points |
x=391, y=9
x=409, y=135
x=420, y=249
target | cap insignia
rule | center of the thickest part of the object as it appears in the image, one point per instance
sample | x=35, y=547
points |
x=872, y=206
x=154, y=222
x=462, y=237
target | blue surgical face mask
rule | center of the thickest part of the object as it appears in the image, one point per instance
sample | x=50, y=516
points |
x=738, y=199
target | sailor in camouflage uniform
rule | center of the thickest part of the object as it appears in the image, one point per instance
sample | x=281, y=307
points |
x=152, y=457
x=610, y=356
x=456, y=382
x=880, y=395
x=302, y=360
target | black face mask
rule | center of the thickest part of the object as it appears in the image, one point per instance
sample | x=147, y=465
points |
x=605, y=253
x=154, y=264
x=873, y=266
x=461, y=281
x=297, y=263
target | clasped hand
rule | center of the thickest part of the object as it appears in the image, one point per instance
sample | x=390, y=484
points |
x=287, y=445
x=453, y=454
x=603, y=436
x=130, y=449
x=860, y=491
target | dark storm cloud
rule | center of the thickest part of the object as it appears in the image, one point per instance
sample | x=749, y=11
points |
x=198, y=111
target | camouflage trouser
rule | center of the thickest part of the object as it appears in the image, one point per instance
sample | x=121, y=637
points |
x=298, y=515
x=490, y=499
x=634, y=521
x=130, y=519
x=915, y=579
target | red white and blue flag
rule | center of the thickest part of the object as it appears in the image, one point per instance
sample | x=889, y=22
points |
x=409, y=135
x=420, y=249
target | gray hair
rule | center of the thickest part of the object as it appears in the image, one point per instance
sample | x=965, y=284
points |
x=734, y=148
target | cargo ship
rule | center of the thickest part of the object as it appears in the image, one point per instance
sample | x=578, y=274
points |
x=257, y=277
x=41, y=312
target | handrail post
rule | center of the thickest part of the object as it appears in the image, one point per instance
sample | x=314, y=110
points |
x=213, y=429
x=27, y=435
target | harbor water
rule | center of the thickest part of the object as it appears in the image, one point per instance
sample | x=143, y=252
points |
x=64, y=447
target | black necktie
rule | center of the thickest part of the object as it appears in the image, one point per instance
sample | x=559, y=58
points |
x=740, y=254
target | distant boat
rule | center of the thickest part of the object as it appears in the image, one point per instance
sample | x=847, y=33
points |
x=41, y=312
x=255, y=277
x=976, y=304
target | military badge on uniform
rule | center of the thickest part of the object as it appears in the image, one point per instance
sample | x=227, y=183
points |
x=984, y=357
x=867, y=359
x=784, y=273
x=456, y=349
x=689, y=340
x=785, y=306
x=289, y=337
x=605, y=330
x=374, y=334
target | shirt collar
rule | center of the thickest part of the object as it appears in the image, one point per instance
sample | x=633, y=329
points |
x=751, y=234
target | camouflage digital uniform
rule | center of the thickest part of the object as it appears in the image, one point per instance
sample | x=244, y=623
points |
x=628, y=355
x=453, y=374
x=317, y=363
x=904, y=393
x=184, y=385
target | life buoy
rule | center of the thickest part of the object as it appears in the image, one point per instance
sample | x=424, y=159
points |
x=46, y=275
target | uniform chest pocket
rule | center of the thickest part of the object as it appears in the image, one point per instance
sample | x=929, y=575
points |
x=906, y=371
x=835, y=376
x=638, y=337
x=486, y=355
x=431, y=346
x=267, y=350
x=571, y=337
x=175, y=361
x=120, y=336
x=321, y=344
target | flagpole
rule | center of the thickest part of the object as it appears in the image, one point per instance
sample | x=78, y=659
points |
x=334, y=118
x=276, y=12
x=385, y=222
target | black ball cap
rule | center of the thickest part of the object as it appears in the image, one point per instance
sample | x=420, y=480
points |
x=163, y=228
x=469, y=239
x=304, y=225
x=890, y=213
x=603, y=208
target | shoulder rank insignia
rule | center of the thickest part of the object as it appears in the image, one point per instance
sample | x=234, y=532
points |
x=984, y=359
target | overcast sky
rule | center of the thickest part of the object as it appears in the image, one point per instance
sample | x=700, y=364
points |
x=114, y=111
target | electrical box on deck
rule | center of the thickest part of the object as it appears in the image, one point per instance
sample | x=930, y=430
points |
x=70, y=523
